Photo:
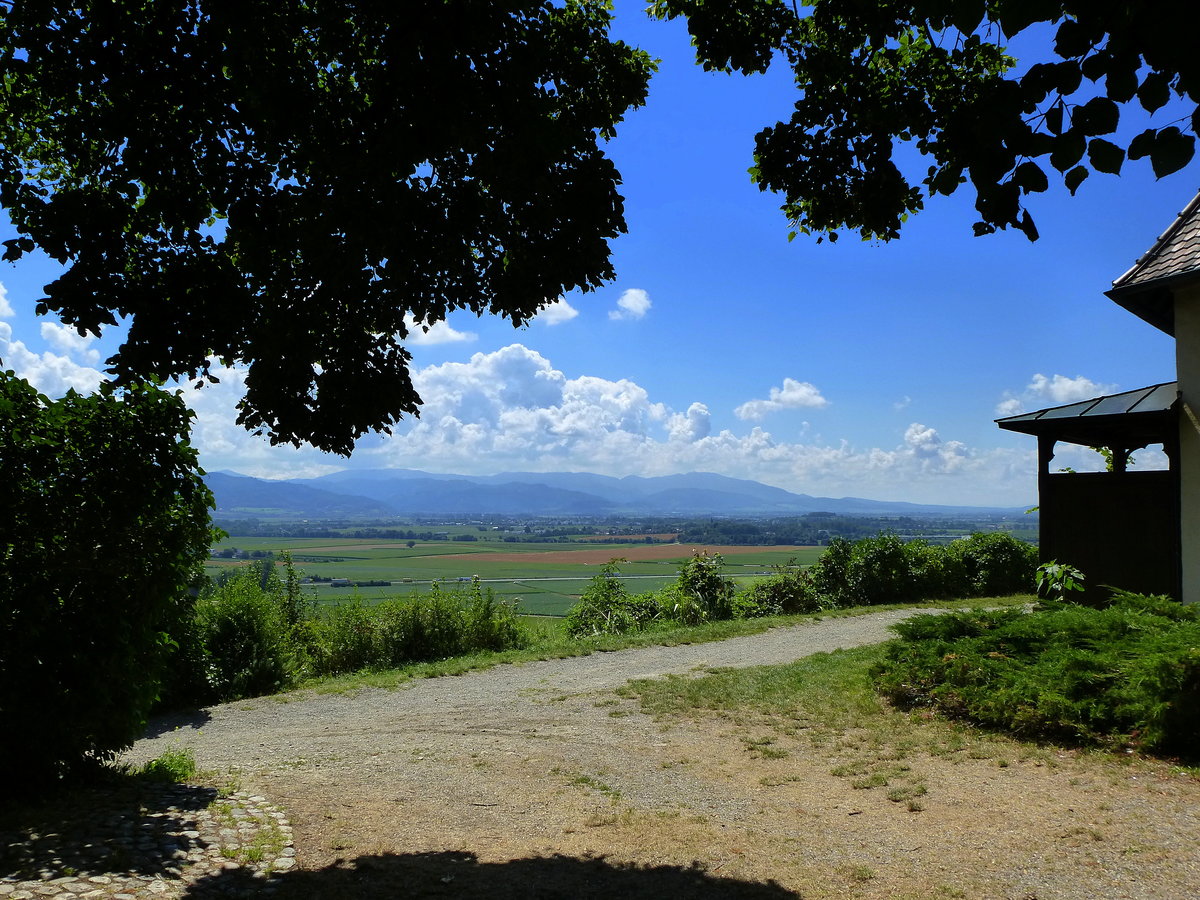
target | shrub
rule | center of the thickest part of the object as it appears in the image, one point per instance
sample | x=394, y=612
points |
x=103, y=529
x=790, y=590
x=881, y=570
x=248, y=646
x=703, y=591
x=341, y=640
x=420, y=628
x=830, y=575
x=997, y=564
x=1126, y=674
x=605, y=607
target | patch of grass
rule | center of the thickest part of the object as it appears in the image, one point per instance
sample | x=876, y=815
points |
x=548, y=640
x=176, y=764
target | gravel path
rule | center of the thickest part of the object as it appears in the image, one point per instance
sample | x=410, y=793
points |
x=500, y=781
x=248, y=734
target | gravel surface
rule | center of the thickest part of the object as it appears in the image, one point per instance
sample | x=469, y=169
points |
x=249, y=733
x=537, y=779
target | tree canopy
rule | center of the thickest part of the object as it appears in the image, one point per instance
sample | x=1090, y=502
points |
x=296, y=184
x=876, y=75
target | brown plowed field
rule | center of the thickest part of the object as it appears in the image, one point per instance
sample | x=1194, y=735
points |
x=647, y=553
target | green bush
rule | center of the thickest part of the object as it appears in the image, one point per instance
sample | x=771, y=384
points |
x=882, y=569
x=701, y=593
x=248, y=645
x=420, y=628
x=789, y=591
x=605, y=607
x=996, y=564
x=104, y=527
x=342, y=639
x=1126, y=674
x=887, y=569
x=830, y=575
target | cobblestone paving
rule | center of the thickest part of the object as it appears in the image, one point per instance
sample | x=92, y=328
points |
x=165, y=841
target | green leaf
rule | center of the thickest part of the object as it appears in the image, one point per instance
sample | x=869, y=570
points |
x=1105, y=156
x=1031, y=178
x=1068, y=150
x=1098, y=116
x=1074, y=178
x=1141, y=145
x=1172, y=151
x=1121, y=84
x=1155, y=91
x=1054, y=118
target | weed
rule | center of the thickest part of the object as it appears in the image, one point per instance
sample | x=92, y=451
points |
x=176, y=764
x=859, y=873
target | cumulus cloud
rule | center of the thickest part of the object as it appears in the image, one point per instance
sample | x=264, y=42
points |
x=633, y=304
x=556, y=313
x=6, y=310
x=422, y=334
x=690, y=426
x=1053, y=390
x=51, y=373
x=793, y=395
x=70, y=341
x=512, y=409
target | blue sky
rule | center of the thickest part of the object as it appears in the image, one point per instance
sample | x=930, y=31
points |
x=847, y=369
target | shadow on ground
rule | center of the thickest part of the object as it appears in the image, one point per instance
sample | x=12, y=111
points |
x=461, y=875
x=115, y=827
x=172, y=721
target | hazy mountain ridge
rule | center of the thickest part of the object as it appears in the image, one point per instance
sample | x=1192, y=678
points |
x=390, y=492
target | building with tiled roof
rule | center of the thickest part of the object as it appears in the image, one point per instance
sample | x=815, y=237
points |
x=1087, y=518
x=1147, y=289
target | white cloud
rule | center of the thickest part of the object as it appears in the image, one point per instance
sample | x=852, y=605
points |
x=793, y=395
x=556, y=313
x=68, y=340
x=511, y=409
x=6, y=310
x=421, y=334
x=690, y=426
x=1055, y=390
x=633, y=304
x=51, y=373
x=903, y=403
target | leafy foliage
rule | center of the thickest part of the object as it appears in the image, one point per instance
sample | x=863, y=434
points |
x=936, y=75
x=789, y=591
x=103, y=529
x=424, y=627
x=245, y=636
x=1126, y=674
x=298, y=184
x=886, y=569
x=605, y=607
x=879, y=570
x=1058, y=581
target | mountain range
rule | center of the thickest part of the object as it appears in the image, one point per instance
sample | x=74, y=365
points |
x=381, y=493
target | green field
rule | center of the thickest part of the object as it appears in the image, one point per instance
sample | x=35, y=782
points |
x=545, y=579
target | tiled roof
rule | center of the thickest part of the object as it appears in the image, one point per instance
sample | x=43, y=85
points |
x=1175, y=257
x=1176, y=252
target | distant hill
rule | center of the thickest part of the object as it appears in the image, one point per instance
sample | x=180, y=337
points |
x=388, y=492
x=240, y=495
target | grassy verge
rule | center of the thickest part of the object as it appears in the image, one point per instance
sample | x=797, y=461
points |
x=550, y=641
x=826, y=705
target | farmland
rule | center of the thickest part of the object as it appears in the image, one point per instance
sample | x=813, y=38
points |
x=546, y=579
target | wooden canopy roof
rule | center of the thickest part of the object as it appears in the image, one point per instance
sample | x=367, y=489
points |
x=1128, y=420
